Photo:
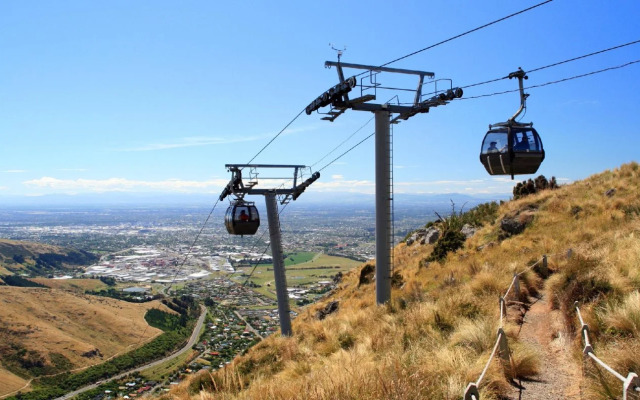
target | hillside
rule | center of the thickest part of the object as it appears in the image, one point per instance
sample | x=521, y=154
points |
x=48, y=331
x=40, y=259
x=439, y=330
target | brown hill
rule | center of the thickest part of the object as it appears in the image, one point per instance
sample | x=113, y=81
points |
x=439, y=330
x=40, y=259
x=47, y=331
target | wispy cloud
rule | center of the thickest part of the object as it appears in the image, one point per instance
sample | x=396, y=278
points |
x=72, y=169
x=15, y=171
x=336, y=183
x=191, y=142
x=473, y=186
x=123, y=185
x=581, y=102
x=339, y=185
x=199, y=141
x=4, y=188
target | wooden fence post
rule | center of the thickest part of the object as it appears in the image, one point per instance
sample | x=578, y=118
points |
x=505, y=353
x=544, y=270
x=516, y=285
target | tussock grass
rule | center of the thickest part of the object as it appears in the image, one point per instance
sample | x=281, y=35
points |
x=438, y=331
x=623, y=317
x=525, y=361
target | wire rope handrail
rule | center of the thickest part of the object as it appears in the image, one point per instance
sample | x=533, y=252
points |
x=493, y=353
x=471, y=391
x=630, y=384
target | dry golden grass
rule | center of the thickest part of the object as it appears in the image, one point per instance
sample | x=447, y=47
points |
x=54, y=321
x=72, y=284
x=27, y=249
x=9, y=382
x=436, y=335
x=624, y=317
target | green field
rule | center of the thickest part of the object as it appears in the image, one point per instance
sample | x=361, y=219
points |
x=298, y=258
x=302, y=269
x=160, y=372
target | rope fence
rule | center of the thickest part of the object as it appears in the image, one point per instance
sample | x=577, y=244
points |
x=630, y=384
x=471, y=392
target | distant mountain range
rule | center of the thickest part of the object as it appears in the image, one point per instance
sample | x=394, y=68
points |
x=310, y=197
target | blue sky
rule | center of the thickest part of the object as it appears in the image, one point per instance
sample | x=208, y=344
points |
x=156, y=96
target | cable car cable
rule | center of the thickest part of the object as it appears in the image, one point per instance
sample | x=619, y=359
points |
x=345, y=153
x=555, y=64
x=193, y=244
x=552, y=82
x=463, y=34
x=343, y=142
x=256, y=264
x=183, y=262
x=503, y=92
x=584, y=56
x=276, y=136
x=265, y=249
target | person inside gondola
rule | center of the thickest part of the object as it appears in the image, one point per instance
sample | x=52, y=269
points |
x=492, y=147
x=244, y=217
x=523, y=143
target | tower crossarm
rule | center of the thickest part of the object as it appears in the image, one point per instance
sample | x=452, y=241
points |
x=338, y=99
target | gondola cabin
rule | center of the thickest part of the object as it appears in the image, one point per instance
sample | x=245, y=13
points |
x=514, y=149
x=242, y=218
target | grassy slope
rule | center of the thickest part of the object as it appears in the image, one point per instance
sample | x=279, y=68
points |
x=8, y=248
x=9, y=382
x=439, y=329
x=29, y=250
x=72, y=284
x=49, y=321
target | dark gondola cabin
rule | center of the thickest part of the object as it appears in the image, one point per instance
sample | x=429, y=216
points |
x=512, y=150
x=242, y=218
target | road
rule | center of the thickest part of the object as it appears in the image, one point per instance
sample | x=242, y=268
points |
x=187, y=347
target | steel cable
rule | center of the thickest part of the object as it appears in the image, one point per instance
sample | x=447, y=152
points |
x=265, y=249
x=462, y=34
x=486, y=367
x=276, y=136
x=552, y=82
x=343, y=142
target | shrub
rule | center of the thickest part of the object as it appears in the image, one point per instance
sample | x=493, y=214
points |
x=450, y=241
x=528, y=187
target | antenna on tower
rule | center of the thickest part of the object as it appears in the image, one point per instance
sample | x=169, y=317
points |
x=338, y=50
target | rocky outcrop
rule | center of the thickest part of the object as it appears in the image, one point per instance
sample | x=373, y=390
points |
x=330, y=308
x=366, y=274
x=92, y=353
x=424, y=236
x=516, y=222
x=468, y=230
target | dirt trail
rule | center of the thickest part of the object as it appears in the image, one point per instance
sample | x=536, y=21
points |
x=559, y=377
